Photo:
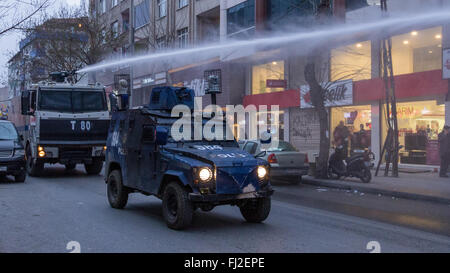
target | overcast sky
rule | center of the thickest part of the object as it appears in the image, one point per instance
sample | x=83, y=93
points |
x=9, y=44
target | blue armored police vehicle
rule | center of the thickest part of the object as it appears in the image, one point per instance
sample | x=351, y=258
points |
x=143, y=156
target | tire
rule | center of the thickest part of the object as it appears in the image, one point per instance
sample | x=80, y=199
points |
x=333, y=175
x=176, y=208
x=366, y=175
x=257, y=210
x=70, y=166
x=34, y=168
x=94, y=168
x=116, y=191
x=20, y=178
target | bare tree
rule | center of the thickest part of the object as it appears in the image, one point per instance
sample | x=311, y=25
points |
x=70, y=40
x=14, y=14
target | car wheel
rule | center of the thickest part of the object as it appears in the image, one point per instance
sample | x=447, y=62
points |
x=70, y=166
x=117, y=193
x=20, y=177
x=94, y=168
x=366, y=175
x=176, y=207
x=34, y=168
x=256, y=210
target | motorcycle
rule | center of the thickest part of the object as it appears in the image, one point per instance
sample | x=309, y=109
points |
x=358, y=165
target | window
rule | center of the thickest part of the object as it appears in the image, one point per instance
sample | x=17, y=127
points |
x=261, y=74
x=351, y=62
x=182, y=3
x=102, y=6
x=417, y=51
x=162, y=8
x=282, y=11
x=250, y=147
x=7, y=131
x=114, y=3
x=419, y=123
x=63, y=101
x=357, y=127
x=142, y=14
x=183, y=36
x=241, y=17
x=115, y=29
x=161, y=42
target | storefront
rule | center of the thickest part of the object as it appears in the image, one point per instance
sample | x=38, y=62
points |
x=357, y=122
x=419, y=123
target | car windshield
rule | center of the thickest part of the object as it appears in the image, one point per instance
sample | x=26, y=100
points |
x=72, y=101
x=7, y=131
x=283, y=146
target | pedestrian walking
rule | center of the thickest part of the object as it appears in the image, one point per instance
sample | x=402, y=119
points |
x=444, y=150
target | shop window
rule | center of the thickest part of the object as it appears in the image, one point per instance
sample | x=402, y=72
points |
x=261, y=74
x=351, y=62
x=419, y=124
x=271, y=121
x=352, y=127
x=417, y=51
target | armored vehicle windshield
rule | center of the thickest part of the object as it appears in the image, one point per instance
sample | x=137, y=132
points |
x=71, y=101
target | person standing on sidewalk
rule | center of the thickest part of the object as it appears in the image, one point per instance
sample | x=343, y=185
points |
x=444, y=150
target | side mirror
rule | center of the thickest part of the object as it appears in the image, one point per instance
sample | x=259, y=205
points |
x=25, y=103
x=261, y=154
x=162, y=134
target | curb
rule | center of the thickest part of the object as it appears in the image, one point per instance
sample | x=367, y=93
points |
x=399, y=194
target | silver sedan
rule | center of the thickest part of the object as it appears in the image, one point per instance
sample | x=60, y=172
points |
x=286, y=163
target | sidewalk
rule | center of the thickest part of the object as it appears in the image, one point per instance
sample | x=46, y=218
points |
x=418, y=186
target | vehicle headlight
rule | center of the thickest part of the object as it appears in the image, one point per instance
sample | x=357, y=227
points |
x=262, y=172
x=19, y=152
x=205, y=174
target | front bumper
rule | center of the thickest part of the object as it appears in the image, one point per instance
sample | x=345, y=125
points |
x=288, y=172
x=12, y=166
x=213, y=198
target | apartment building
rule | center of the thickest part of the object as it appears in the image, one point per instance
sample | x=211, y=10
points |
x=154, y=26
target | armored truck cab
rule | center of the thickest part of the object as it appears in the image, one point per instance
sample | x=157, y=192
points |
x=142, y=156
x=65, y=123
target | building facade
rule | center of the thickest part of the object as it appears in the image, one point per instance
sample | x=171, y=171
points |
x=356, y=67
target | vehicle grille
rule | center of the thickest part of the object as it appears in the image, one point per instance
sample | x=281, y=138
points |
x=75, y=154
x=6, y=153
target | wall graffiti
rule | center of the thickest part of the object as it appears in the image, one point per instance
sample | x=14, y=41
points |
x=304, y=124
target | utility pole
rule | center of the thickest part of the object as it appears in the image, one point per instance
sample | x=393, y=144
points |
x=391, y=144
x=131, y=51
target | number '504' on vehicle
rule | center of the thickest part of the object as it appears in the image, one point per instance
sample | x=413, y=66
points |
x=142, y=156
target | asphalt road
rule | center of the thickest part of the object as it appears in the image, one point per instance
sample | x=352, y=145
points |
x=45, y=214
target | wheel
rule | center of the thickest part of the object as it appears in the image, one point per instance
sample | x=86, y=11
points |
x=20, y=177
x=256, y=210
x=94, y=168
x=332, y=174
x=366, y=175
x=117, y=193
x=176, y=207
x=70, y=166
x=34, y=168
